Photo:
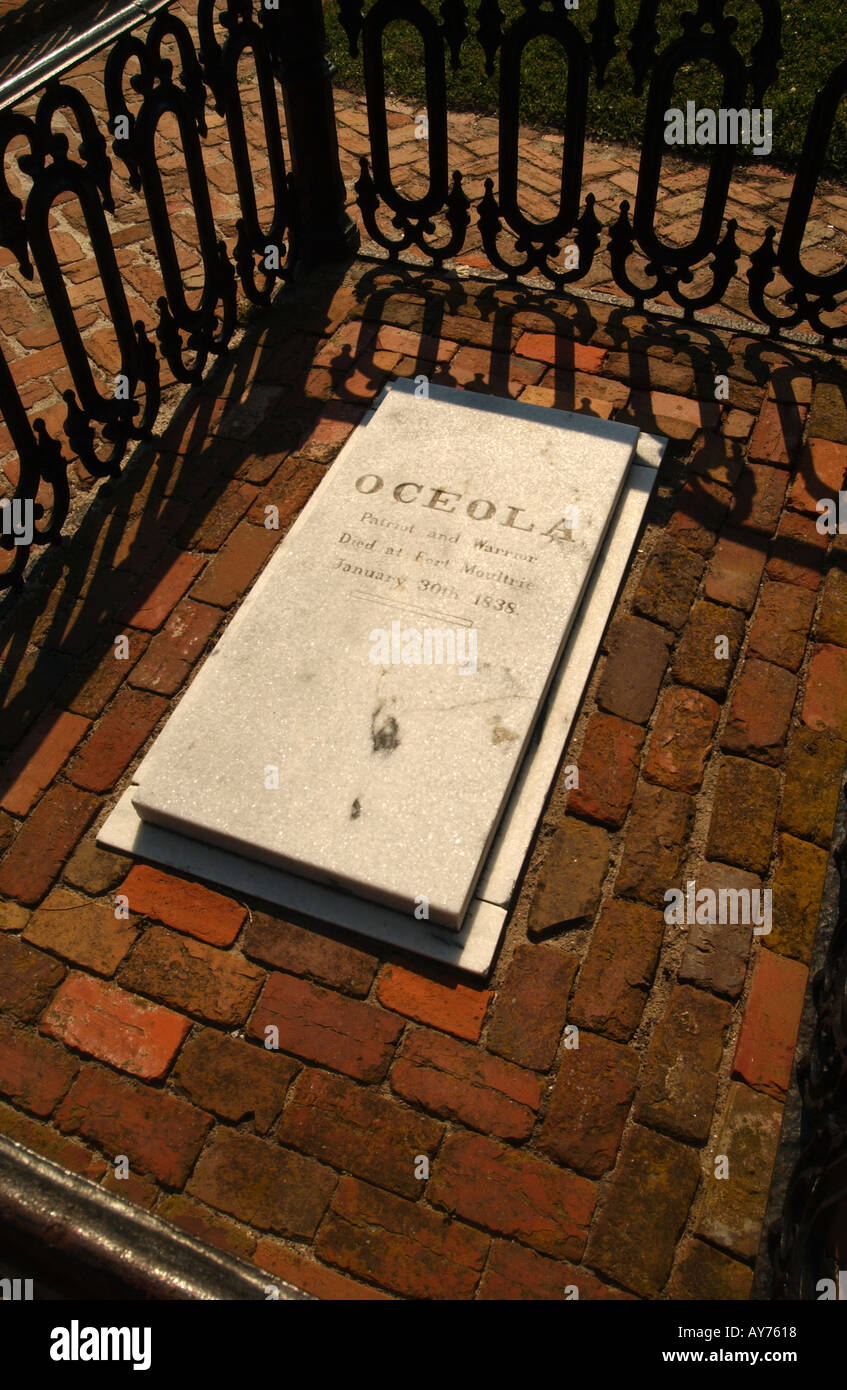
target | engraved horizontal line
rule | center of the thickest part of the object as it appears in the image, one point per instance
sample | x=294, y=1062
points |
x=410, y=607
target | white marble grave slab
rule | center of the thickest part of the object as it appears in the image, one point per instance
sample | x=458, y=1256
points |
x=474, y=947
x=300, y=745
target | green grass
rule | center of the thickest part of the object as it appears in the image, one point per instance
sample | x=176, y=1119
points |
x=814, y=39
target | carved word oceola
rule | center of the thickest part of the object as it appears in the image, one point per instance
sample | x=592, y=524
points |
x=478, y=509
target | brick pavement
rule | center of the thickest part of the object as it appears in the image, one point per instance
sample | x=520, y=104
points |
x=416, y=1135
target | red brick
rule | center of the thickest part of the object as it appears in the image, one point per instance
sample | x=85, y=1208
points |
x=34, y=1073
x=513, y=1193
x=702, y=1272
x=568, y=887
x=129, y=720
x=779, y=430
x=232, y=1078
x=735, y=571
x=480, y=369
x=306, y=951
x=434, y=998
x=45, y=1140
x=821, y=473
x=216, y=986
x=700, y=509
x=104, y=1021
x=813, y=774
x=668, y=584
x=264, y=1186
x=759, y=495
x=235, y=566
x=350, y=1036
x=344, y=1124
x=680, y=1076
x=294, y=1269
x=185, y=906
x=531, y=1004
x=44, y=841
x=635, y=664
x=760, y=712
x=589, y=1105
x=402, y=1245
x=516, y=1274
x=618, y=971
x=828, y=419
x=743, y=814
x=170, y=656
x=38, y=759
x=27, y=978
x=678, y=417
x=93, y=869
x=608, y=770
x=771, y=1022
x=656, y=842
x=831, y=622
x=163, y=590
x=159, y=1133
x=560, y=352
x=206, y=1225
x=681, y=739
x=798, y=552
x=699, y=660
x=464, y=1084
x=108, y=675
x=82, y=931
x=797, y=890
x=824, y=706
x=781, y=627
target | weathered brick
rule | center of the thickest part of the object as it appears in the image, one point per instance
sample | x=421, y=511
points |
x=735, y=570
x=680, y=1079
x=45, y=1140
x=34, y=1073
x=233, y=1079
x=261, y=1184
x=517, y=1274
x=82, y=931
x=162, y=591
x=352, y=1037
x=716, y=953
x=91, y=698
x=699, y=512
x=781, y=627
x=44, y=841
x=569, y=883
x=608, y=769
x=28, y=978
x=820, y=473
x=831, y=622
x=824, y=706
x=344, y=1124
x=743, y=814
x=589, y=1105
x=231, y=572
x=529, y=1011
x=779, y=430
x=13, y=917
x=759, y=496
x=205, y=1224
x=702, y=1272
x=513, y=1193
x=718, y=456
x=656, y=842
x=699, y=660
x=187, y=907
x=797, y=890
x=828, y=416
x=634, y=1238
x=216, y=986
x=732, y=1207
x=814, y=770
x=159, y=1133
x=95, y=870
x=760, y=712
x=464, y=1084
x=431, y=996
x=798, y=552
x=618, y=971
x=104, y=1021
x=669, y=583
x=129, y=720
x=402, y=1245
x=37, y=760
x=170, y=656
x=296, y=1270
x=637, y=654
x=681, y=739
x=765, y=1048
x=302, y=951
